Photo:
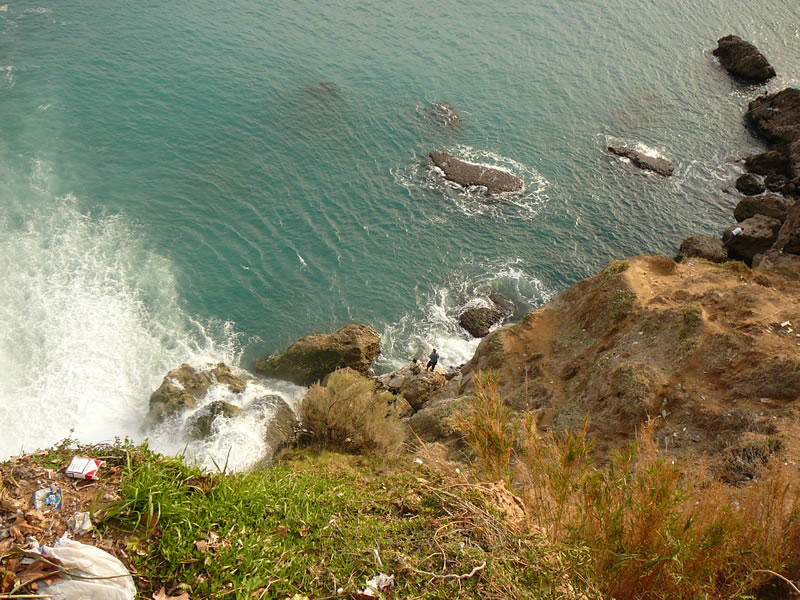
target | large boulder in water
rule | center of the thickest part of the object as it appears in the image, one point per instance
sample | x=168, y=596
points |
x=659, y=165
x=750, y=185
x=200, y=424
x=770, y=205
x=776, y=117
x=496, y=181
x=311, y=358
x=753, y=235
x=478, y=321
x=414, y=383
x=703, y=246
x=282, y=424
x=742, y=59
x=184, y=386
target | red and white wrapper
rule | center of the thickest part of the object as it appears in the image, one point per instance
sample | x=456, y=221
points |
x=83, y=468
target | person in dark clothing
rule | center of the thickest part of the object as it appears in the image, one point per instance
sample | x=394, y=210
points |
x=433, y=359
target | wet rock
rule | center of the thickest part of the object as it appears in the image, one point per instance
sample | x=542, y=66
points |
x=199, y=425
x=505, y=304
x=749, y=185
x=775, y=182
x=703, y=246
x=282, y=424
x=496, y=181
x=776, y=117
x=443, y=114
x=310, y=359
x=184, y=386
x=743, y=60
x=771, y=205
x=323, y=89
x=478, y=321
x=658, y=165
x=414, y=383
x=757, y=235
x=768, y=162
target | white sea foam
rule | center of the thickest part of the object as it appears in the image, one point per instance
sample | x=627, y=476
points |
x=420, y=175
x=90, y=322
x=434, y=324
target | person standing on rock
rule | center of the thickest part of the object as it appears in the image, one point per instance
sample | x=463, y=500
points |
x=433, y=359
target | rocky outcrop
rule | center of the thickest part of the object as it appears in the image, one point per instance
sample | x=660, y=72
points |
x=184, y=386
x=771, y=205
x=743, y=60
x=281, y=427
x=703, y=246
x=439, y=421
x=776, y=117
x=477, y=321
x=199, y=424
x=749, y=184
x=756, y=234
x=496, y=181
x=310, y=359
x=661, y=166
x=414, y=383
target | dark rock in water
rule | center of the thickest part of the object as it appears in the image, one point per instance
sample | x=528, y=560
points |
x=742, y=59
x=323, y=89
x=662, y=166
x=199, y=425
x=778, y=183
x=770, y=205
x=414, y=383
x=703, y=246
x=281, y=427
x=749, y=185
x=505, y=304
x=477, y=321
x=772, y=161
x=776, y=117
x=756, y=234
x=313, y=357
x=184, y=386
x=444, y=114
x=496, y=181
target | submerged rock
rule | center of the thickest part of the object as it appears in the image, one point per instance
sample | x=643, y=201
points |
x=199, y=425
x=496, y=181
x=443, y=113
x=662, y=166
x=742, y=59
x=703, y=246
x=311, y=358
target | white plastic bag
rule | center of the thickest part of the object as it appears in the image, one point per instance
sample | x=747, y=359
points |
x=106, y=578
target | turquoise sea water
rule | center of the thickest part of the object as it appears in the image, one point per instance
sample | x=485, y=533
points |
x=200, y=180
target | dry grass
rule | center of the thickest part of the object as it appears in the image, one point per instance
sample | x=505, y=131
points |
x=348, y=413
x=642, y=526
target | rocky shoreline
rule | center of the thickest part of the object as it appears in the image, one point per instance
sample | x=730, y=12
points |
x=767, y=236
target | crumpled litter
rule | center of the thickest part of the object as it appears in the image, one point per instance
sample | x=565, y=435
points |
x=79, y=523
x=102, y=577
x=376, y=586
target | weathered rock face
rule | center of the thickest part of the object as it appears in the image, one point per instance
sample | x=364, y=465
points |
x=768, y=162
x=199, y=425
x=749, y=185
x=703, y=246
x=776, y=117
x=742, y=59
x=443, y=114
x=770, y=205
x=184, y=386
x=662, y=166
x=414, y=383
x=496, y=181
x=758, y=234
x=438, y=421
x=308, y=360
x=505, y=304
x=477, y=321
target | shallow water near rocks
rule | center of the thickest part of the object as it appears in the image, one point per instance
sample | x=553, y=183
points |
x=204, y=181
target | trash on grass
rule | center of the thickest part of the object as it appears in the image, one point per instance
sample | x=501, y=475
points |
x=79, y=523
x=87, y=573
x=49, y=497
x=83, y=468
x=376, y=586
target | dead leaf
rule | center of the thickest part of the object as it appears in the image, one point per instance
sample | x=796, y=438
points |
x=7, y=583
x=8, y=503
x=212, y=542
x=21, y=528
x=162, y=595
x=39, y=570
x=304, y=531
x=5, y=545
x=282, y=530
